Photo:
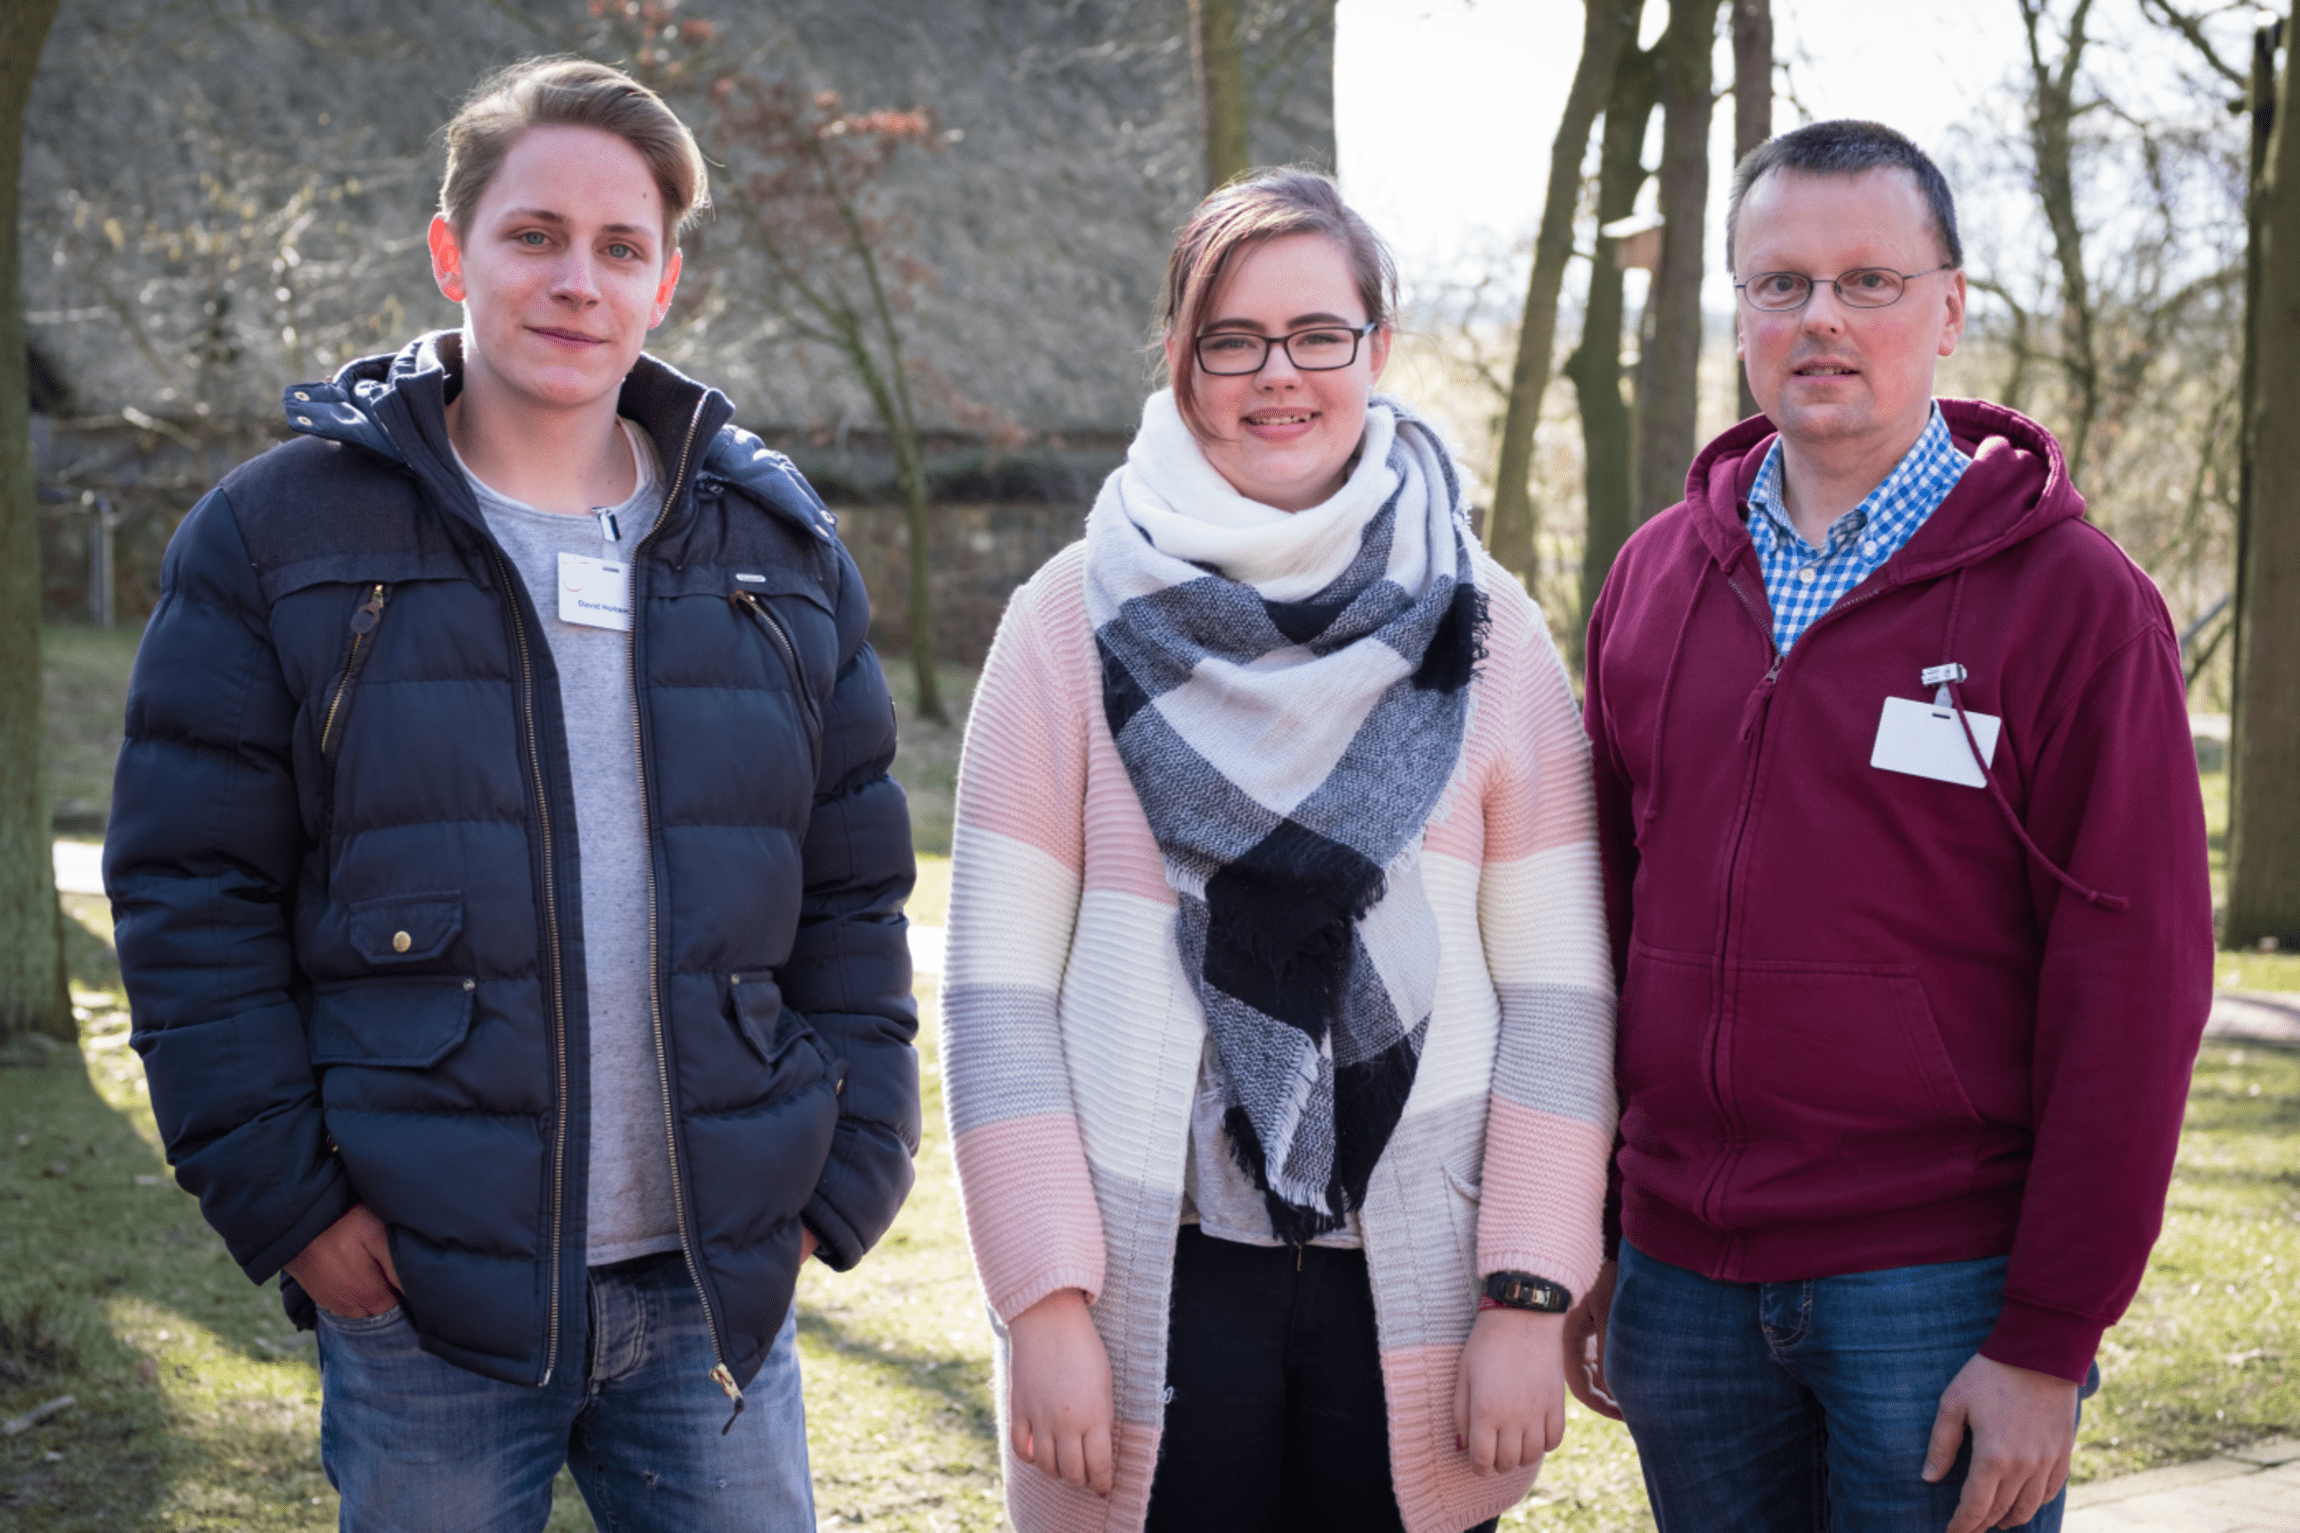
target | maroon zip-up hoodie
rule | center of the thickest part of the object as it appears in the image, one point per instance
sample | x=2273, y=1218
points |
x=1870, y=1019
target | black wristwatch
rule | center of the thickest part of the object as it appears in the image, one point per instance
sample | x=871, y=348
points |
x=1522, y=1290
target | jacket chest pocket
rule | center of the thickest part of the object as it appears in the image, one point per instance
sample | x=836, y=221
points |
x=405, y=928
x=782, y=642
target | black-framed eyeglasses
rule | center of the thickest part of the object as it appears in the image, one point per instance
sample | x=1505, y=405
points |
x=1319, y=349
x=1867, y=287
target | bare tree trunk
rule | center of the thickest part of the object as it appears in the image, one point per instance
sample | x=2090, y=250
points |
x=1606, y=25
x=1221, y=70
x=2264, y=784
x=1595, y=366
x=1671, y=365
x=2052, y=118
x=32, y=991
x=1752, y=108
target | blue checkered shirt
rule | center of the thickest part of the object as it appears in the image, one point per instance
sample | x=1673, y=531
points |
x=1802, y=583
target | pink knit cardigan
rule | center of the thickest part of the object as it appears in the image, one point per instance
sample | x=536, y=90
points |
x=1071, y=1044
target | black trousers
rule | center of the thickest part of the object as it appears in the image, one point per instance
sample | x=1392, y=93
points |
x=1275, y=1416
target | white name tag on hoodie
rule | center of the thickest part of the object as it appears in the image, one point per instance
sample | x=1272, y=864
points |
x=595, y=593
x=1927, y=741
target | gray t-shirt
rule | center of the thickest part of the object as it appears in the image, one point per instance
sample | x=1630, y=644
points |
x=631, y=1207
x=1217, y=1194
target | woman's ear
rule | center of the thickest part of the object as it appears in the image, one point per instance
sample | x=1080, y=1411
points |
x=1380, y=349
x=1175, y=352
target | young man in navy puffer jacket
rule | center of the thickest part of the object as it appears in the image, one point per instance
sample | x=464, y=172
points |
x=508, y=879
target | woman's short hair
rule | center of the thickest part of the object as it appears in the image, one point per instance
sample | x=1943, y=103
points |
x=1265, y=205
x=569, y=93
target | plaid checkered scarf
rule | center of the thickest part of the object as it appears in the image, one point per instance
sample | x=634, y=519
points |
x=1288, y=693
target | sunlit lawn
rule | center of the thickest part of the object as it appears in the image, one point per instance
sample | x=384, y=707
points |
x=197, y=1405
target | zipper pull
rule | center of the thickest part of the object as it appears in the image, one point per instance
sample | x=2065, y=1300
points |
x=1756, y=705
x=370, y=612
x=726, y=1381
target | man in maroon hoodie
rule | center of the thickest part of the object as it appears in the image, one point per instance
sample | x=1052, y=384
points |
x=1906, y=872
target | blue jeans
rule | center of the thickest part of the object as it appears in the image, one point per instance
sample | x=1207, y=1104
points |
x=1798, y=1407
x=415, y=1444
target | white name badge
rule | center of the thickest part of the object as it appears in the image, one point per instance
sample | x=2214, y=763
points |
x=594, y=593
x=1925, y=740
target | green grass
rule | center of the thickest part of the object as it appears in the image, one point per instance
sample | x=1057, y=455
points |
x=84, y=680
x=198, y=1406
x=2205, y=1357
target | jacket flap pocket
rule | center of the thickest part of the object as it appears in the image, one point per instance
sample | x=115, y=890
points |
x=759, y=1013
x=774, y=1032
x=406, y=928
x=407, y=1024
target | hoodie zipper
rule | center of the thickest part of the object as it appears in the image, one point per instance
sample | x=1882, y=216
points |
x=1754, y=716
x=720, y=1374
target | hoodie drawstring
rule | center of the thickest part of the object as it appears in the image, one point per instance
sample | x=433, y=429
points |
x=2089, y=895
x=1661, y=713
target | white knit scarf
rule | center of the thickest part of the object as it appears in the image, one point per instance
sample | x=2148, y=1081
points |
x=1289, y=693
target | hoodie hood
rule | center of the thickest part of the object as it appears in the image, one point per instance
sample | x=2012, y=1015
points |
x=2017, y=487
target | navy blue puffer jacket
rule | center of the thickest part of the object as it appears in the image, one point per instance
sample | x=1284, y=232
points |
x=342, y=864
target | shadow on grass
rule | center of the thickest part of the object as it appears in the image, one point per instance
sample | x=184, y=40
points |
x=960, y=1384
x=194, y=1408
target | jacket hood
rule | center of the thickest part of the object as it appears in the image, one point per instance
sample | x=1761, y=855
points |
x=2017, y=487
x=394, y=404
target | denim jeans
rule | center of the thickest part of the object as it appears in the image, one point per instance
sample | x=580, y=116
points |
x=1798, y=1407
x=1276, y=1418
x=414, y=1444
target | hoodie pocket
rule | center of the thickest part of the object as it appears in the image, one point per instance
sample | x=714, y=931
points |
x=1668, y=1103
x=1845, y=1094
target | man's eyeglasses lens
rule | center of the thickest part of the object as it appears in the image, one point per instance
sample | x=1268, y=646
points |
x=1230, y=353
x=1871, y=287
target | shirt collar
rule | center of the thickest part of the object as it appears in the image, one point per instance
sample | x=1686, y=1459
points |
x=1897, y=499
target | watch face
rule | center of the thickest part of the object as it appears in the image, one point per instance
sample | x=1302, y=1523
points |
x=1519, y=1291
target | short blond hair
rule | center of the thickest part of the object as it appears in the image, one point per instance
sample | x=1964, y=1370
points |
x=571, y=93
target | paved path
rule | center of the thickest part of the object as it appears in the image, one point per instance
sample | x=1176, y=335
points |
x=2245, y=1490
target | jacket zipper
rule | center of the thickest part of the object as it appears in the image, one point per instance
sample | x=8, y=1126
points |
x=558, y=980
x=720, y=1374
x=363, y=621
x=790, y=653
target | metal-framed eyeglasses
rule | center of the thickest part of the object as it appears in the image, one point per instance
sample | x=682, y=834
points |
x=1867, y=287
x=1319, y=349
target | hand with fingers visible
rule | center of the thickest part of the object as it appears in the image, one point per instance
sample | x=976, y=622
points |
x=2024, y=1433
x=347, y=1268
x=1509, y=1399
x=1585, y=1345
x=1060, y=1396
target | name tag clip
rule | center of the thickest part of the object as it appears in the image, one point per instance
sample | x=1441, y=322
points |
x=1939, y=677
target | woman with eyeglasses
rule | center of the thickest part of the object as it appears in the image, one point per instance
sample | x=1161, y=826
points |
x=1278, y=1014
